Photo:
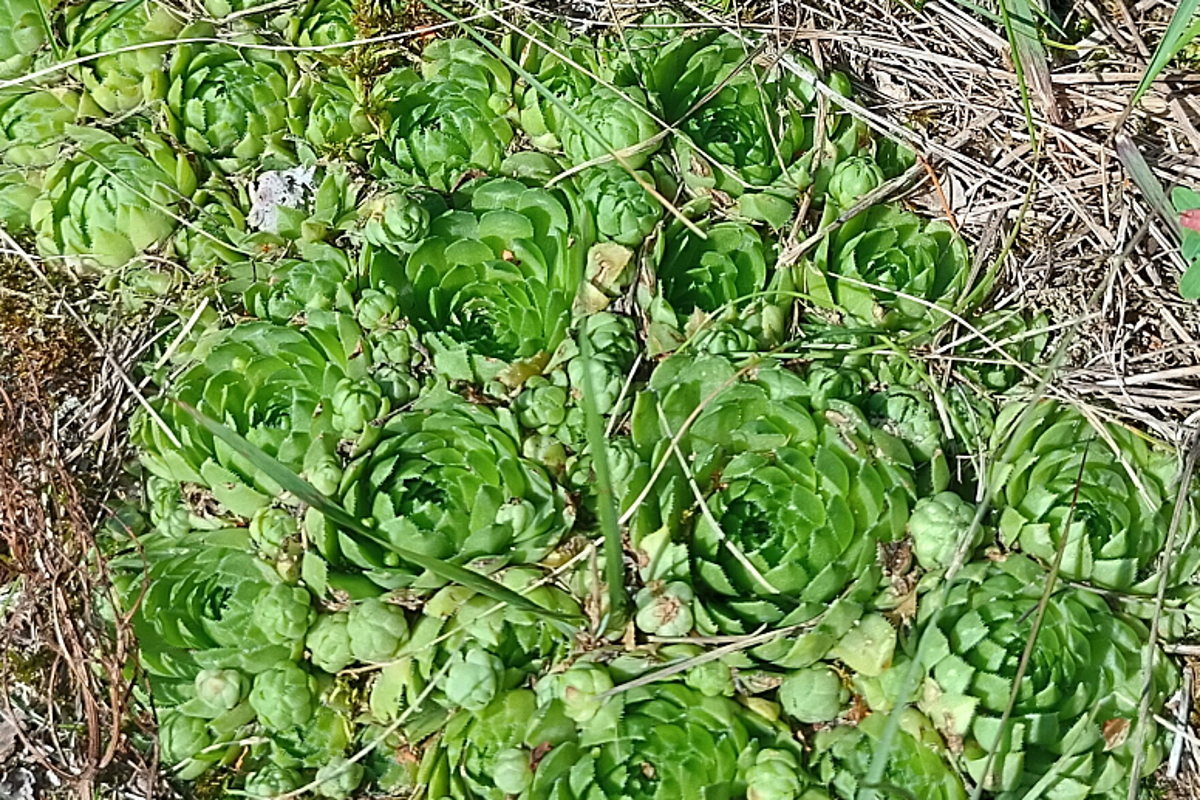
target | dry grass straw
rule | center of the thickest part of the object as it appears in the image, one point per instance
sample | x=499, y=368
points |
x=65, y=705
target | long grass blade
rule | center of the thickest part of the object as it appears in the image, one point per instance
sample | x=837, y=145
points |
x=307, y=493
x=606, y=504
x=1182, y=30
x=1143, y=177
x=1029, y=55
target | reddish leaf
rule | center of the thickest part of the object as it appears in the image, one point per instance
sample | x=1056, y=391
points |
x=1190, y=219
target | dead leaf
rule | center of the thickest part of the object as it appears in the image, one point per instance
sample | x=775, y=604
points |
x=1115, y=731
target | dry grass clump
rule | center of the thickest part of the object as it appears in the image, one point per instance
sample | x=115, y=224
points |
x=67, y=724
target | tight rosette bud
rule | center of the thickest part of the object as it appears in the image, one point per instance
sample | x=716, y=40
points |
x=329, y=642
x=854, y=178
x=938, y=524
x=377, y=630
x=283, y=613
x=284, y=696
x=472, y=680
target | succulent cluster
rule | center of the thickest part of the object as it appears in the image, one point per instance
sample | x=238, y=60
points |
x=443, y=318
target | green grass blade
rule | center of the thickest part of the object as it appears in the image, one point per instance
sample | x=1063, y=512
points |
x=307, y=493
x=1143, y=177
x=1180, y=32
x=606, y=504
x=1029, y=58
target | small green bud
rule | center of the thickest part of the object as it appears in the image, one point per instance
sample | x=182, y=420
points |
x=377, y=630
x=512, y=771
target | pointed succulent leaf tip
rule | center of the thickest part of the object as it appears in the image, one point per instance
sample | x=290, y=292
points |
x=1113, y=506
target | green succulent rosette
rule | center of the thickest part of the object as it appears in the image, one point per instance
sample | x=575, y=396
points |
x=33, y=125
x=1075, y=723
x=22, y=35
x=122, y=78
x=336, y=121
x=447, y=480
x=462, y=61
x=439, y=130
x=748, y=131
x=887, y=268
x=322, y=279
x=567, y=71
x=657, y=743
x=493, y=281
x=1106, y=490
x=200, y=609
x=274, y=385
x=232, y=104
x=609, y=121
x=320, y=24
x=196, y=606
x=625, y=212
x=797, y=501
x=720, y=291
x=109, y=201
x=917, y=762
